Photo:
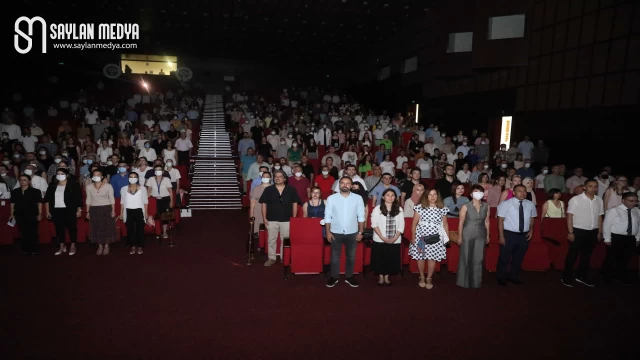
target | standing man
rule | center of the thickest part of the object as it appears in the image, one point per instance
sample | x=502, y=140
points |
x=621, y=235
x=344, y=221
x=515, y=226
x=584, y=223
x=279, y=205
x=183, y=146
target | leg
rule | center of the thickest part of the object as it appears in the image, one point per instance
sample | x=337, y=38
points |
x=505, y=257
x=589, y=240
x=284, y=233
x=72, y=226
x=139, y=231
x=431, y=267
x=613, y=251
x=273, y=230
x=421, y=283
x=464, y=270
x=131, y=228
x=518, y=257
x=59, y=221
x=350, y=245
x=336, y=253
x=571, y=257
x=624, y=257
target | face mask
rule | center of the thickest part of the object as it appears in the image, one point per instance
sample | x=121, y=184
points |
x=122, y=169
x=484, y=143
x=28, y=172
x=325, y=173
x=486, y=166
x=294, y=145
x=16, y=156
x=133, y=180
x=6, y=162
x=109, y=162
x=277, y=167
x=527, y=165
x=340, y=131
x=282, y=142
x=298, y=174
x=477, y=195
x=443, y=135
x=504, y=166
x=65, y=154
x=89, y=161
x=265, y=180
x=61, y=177
x=43, y=153
x=96, y=179
x=158, y=172
x=57, y=161
x=464, y=143
x=290, y=136
x=169, y=163
x=545, y=171
x=273, y=133
x=147, y=146
x=435, y=128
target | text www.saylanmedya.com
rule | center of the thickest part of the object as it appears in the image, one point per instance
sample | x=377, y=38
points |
x=94, y=46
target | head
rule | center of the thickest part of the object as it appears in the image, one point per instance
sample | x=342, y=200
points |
x=350, y=170
x=96, y=175
x=431, y=198
x=387, y=178
x=316, y=193
x=457, y=189
x=591, y=187
x=555, y=170
x=516, y=180
x=520, y=192
x=345, y=185
x=621, y=182
x=448, y=170
x=477, y=192
x=24, y=180
x=415, y=174
x=630, y=200
x=62, y=174
x=555, y=194
x=279, y=177
x=389, y=196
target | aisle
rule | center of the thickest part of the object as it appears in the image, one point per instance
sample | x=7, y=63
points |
x=199, y=300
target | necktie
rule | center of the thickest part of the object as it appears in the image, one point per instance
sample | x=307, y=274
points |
x=521, y=217
x=325, y=138
x=629, y=223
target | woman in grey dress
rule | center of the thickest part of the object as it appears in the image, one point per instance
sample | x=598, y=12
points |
x=474, y=235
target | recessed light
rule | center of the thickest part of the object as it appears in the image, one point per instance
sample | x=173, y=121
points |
x=386, y=5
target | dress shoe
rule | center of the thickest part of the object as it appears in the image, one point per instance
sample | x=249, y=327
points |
x=501, y=282
x=515, y=281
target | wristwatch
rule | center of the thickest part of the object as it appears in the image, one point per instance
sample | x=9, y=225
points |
x=360, y=233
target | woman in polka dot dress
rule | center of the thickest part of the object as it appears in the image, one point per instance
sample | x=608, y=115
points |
x=430, y=218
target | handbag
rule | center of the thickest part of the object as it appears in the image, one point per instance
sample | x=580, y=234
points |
x=430, y=239
x=167, y=215
x=367, y=234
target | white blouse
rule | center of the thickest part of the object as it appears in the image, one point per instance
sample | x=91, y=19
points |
x=136, y=201
x=380, y=221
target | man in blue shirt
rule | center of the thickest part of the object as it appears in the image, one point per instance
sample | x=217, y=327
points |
x=515, y=227
x=246, y=160
x=526, y=171
x=245, y=144
x=120, y=180
x=376, y=193
x=344, y=222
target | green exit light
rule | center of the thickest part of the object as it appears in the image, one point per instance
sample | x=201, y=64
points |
x=60, y=63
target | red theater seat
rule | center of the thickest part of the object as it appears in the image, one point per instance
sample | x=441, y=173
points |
x=8, y=234
x=303, y=250
x=537, y=256
x=453, y=251
x=246, y=198
x=554, y=232
x=492, y=251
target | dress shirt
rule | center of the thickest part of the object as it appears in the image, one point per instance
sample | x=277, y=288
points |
x=585, y=211
x=344, y=213
x=616, y=221
x=378, y=190
x=574, y=182
x=510, y=211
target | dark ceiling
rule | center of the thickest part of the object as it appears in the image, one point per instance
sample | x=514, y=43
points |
x=318, y=31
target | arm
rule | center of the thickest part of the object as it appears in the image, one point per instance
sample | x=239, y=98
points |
x=171, y=195
x=39, y=211
x=545, y=208
x=487, y=224
x=264, y=214
x=294, y=211
x=600, y=228
x=305, y=214
x=46, y=207
x=606, y=197
x=414, y=225
x=570, y=235
x=501, y=230
x=607, y=225
x=445, y=223
x=530, y=233
x=503, y=196
x=362, y=212
x=461, y=218
x=403, y=195
x=374, y=223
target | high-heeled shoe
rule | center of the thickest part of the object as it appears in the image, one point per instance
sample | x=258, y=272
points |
x=72, y=251
x=106, y=250
x=132, y=251
x=429, y=284
x=140, y=252
x=61, y=250
x=421, y=283
x=100, y=249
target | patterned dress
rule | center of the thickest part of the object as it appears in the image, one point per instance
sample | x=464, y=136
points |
x=430, y=224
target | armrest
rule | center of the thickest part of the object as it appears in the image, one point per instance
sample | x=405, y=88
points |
x=286, y=242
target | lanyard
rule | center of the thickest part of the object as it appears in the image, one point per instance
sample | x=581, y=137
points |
x=158, y=184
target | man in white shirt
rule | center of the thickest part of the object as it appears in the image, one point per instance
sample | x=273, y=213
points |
x=12, y=129
x=28, y=141
x=576, y=180
x=350, y=171
x=525, y=147
x=91, y=117
x=584, y=224
x=349, y=156
x=430, y=147
x=183, y=145
x=331, y=154
x=621, y=232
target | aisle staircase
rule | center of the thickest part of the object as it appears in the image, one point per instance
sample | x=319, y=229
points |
x=215, y=177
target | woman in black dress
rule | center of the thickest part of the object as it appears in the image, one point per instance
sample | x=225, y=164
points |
x=26, y=210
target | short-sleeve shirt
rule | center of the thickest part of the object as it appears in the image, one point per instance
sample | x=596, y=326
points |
x=279, y=206
x=160, y=190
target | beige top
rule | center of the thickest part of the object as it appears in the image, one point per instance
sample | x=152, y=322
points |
x=101, y=197
x=160, y=191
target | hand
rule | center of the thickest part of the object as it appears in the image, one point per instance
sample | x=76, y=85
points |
x=171, y=205
x=529, y=235
x=78, y=214
x=49, y=216
x=329, y=237
x=501, y=240
x=113, y=214
x=265, y=222
x=488, y=239
x=608, y=243
x=88, y=216
x=39, y=217
x=571, y=237
x=413, y=240
x=600, y=237
x=359, y=237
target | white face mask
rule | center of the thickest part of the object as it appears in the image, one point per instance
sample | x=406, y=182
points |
x=486, y=166
x=545, y=171
x=6, y=162
x=273, y=133
x=464, y=143
x=277, y=167
x=158, y=172
x=290, y=136
x=61, y=177
x=265, y=180
x=28, y=172
x=504, y=166
x=96, y=179
x=109, y=162
x=57, y=161
x=527, y=165
x=298, y=174
x=133, y=180
x=325, y=173
x=169, y=163
x=65, y=154
x=294, y=145
x=282, y=142
x=477, y=195
x=43, y=153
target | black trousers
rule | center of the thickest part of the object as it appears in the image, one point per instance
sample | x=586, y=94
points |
x=28, y=225
x=512, y=255
x=135, y=227
x=585, y=241
x=183, y=157
x=65, y=219
x=618, y=254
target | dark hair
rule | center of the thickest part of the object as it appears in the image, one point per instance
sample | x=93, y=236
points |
x=591, y=180
x=483, y=175
x=628, y=194
x=517, y=186
x=349, y=166
x=416, y=169
x=97, y=170
x=263, y=167
x=346, y=177
x=395, y=206
x=475, y=187
x=553, y=192
x=64, y=170
x=454, y=186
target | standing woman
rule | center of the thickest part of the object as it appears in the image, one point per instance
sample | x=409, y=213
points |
x=429, y=219
x=26, y=210
x=134, y=201
x=101, y=212
x=160, y=188
x=387, y=221
x=63, y=204
x=474, y=235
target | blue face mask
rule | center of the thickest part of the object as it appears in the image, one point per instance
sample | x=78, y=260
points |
x=147, y=146
x=122, y=169
x=89, y=162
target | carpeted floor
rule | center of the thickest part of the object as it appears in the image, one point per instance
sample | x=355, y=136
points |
x=199, y=300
